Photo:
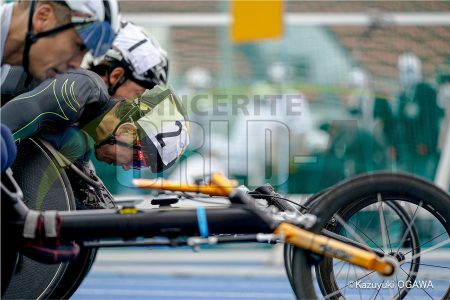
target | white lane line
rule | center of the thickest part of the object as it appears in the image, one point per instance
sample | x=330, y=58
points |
x=183, y=294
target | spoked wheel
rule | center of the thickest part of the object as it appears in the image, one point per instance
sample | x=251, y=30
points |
x=399, y=215
x=383, y=225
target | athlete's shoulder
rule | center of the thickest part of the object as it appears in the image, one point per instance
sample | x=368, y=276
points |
x=85, y=77
x=83, y=74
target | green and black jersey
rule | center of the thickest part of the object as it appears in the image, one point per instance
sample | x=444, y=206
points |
x=74, y=98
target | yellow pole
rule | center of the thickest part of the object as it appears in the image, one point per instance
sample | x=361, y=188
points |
x=219, y=186
x=333, y=248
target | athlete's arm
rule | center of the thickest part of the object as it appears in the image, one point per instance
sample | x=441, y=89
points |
x=56, y=103
x=16, y=84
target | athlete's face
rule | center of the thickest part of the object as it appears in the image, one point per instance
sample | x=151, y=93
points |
x=55, y=53
x=115, y=155
x=129, y=90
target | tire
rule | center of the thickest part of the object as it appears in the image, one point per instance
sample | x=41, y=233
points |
x=325, y=271
x=288, y=249
x=410, y=191
x=45, y=187
x=75, y=273
x=9, y=257
x=9, y=238
x=35, y=162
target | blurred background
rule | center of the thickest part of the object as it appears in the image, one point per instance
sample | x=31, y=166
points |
x=316, y=92
x=300, y=94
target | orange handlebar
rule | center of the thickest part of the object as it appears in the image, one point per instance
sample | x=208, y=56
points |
x=219, y=186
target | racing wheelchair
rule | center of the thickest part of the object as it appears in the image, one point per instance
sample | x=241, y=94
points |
x=372, y=221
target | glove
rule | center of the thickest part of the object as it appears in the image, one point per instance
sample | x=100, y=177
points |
x=8, y=149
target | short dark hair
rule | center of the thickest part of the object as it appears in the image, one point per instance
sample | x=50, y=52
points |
x=100, y=69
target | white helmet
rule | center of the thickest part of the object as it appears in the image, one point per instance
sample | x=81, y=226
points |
x=96, y=21
x=410, y=69
x=162, y=129
x=140, y=55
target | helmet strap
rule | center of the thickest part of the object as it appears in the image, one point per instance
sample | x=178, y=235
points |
x=32, y=38
x=111, y=138
x=28, y=43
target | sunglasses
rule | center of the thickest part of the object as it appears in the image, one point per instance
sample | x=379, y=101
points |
x=97, y=36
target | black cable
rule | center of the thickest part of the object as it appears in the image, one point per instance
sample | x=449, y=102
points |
x=204, y=201
x=269, y=197
x=263, y=196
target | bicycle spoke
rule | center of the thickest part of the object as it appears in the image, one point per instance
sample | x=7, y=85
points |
x=346, y=279
x=340, y=270
x=356, y=276
x=425, y=243
x=391, y=293
x=417, y=273
x=409, y=273
x=398, y=289
x=408, y=229
x=348, y=284
x=428, y=265
x=373, y=295
x=392, y=222
x=369, y=222
x=427, y=293
x=441, y=244
x=371, y=240
x=352, y=232
x=384, y=234
x=379, y=289
x=368, y=237
x=419, y=286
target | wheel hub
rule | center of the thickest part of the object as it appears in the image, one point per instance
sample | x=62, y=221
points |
x=399, y=256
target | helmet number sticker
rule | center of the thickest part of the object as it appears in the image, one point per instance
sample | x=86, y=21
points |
x=162, y=135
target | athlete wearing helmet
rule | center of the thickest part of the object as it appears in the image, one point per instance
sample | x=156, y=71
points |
x=153, y=128
x=85, y=103
x=57, y=34
x=149, y=132
x=135, y=62
x=120, y=63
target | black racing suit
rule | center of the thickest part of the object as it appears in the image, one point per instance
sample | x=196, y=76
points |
x=57, y=108
x=61, y=110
